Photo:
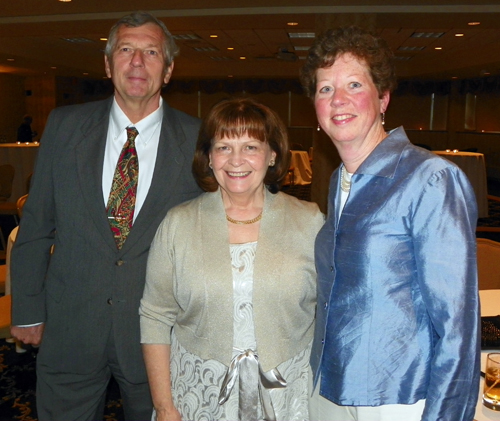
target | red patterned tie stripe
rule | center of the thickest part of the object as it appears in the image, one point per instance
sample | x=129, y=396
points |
x=121, y=202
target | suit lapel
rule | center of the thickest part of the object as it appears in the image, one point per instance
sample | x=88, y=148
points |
x=89, y=160
x=172, y=154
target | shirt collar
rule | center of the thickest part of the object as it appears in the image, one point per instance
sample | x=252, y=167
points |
x=146, y=127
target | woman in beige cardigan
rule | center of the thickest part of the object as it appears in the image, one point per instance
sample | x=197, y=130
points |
x=231, y=284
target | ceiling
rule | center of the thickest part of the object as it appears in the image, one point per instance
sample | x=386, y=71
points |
x=34, y=33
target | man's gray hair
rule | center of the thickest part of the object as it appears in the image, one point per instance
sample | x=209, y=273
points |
x=136, y=19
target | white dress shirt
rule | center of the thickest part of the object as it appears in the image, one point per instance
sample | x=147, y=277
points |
x=146, y=144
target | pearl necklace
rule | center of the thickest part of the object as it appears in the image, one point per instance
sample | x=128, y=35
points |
x=247, y=222
x=345, y=183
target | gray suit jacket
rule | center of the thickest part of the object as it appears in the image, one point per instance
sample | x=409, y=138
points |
x=88, y=291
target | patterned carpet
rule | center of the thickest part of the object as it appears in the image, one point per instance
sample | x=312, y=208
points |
x=17, y=387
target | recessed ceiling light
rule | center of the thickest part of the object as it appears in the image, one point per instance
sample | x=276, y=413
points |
x=229, y=75
x=230, y=48
x=438, y=48
x=11, y=59
x=301, y=34
x=77, y=40
x=459, y=35
x=214, y=36
x=242, y=58
x=103, y=39
x=427, y=34
x=454, y=77
x=53, y=67
x=205, y=49
x=85, y=74
x=64, y=1
x=410, y=48
x=185, y=36
x=292, y=23
x=474, y=23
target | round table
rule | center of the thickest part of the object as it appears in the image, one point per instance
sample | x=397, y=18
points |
x=490, y=306
x=473, y=165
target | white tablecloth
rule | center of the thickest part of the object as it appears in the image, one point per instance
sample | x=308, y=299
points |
x=22, y=157
x=473, y=165
x=490, y=306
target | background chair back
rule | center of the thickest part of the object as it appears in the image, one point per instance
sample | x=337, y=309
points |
x=488, y=263
x=7, y=172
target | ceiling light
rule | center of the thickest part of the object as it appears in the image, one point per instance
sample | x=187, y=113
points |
x=459, y=35
x=301, y=34
x=292, y=23
x=205, y=49
x=77, y=40
x=438, y=48
x=474, y=23
x=214, y=36
x=220, y=58
x=185, y=36
x=11, y=59
x=103, y=39
x=64, y=1
x=85, y=74
x=242, y=58
x=427, y=34
x=410, y=48
x=53, y=67
x=230, y=48
x=454, y=77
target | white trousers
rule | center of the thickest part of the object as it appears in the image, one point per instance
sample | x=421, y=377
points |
x=321, y=409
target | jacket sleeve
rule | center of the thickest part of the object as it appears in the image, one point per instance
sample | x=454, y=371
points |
x=158, y=307
x=445, y=248
x=36, y=236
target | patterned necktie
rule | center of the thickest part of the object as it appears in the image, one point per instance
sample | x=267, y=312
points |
x=121, y=202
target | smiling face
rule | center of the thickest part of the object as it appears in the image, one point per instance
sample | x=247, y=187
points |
x=240, y=164
x=137, y=67
x=348, y=105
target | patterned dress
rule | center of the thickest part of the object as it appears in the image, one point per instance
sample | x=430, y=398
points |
x=196, y=383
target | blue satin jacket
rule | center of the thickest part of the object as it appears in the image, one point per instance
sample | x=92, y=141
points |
x=398, y=307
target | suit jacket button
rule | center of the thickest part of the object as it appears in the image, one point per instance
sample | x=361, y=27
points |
x=110, y=301
x=325, y=306
x=119, y=262
x=331, y=268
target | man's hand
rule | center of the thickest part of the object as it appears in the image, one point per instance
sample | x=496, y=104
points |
x=31, y=335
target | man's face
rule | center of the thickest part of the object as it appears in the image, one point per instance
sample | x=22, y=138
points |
x=137, y=64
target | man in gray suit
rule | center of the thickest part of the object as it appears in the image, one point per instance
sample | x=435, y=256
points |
x=81, y=302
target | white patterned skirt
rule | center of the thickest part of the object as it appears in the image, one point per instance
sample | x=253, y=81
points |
x=196, y=386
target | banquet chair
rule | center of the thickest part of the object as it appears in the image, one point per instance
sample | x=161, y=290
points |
x=488, y=263
x=7, y=172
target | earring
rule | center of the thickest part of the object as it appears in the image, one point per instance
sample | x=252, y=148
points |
x=318, y=128
x=383, y=119
x=271, y=163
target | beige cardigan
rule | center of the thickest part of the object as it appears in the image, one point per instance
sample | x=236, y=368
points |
x=189, y=282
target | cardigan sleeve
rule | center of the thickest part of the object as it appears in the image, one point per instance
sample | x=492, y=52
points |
x=158, y=308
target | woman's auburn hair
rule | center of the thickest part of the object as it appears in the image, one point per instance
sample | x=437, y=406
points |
x=233, y=118
x=358, y=42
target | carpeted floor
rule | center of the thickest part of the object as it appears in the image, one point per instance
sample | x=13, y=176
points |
x=17, y=387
